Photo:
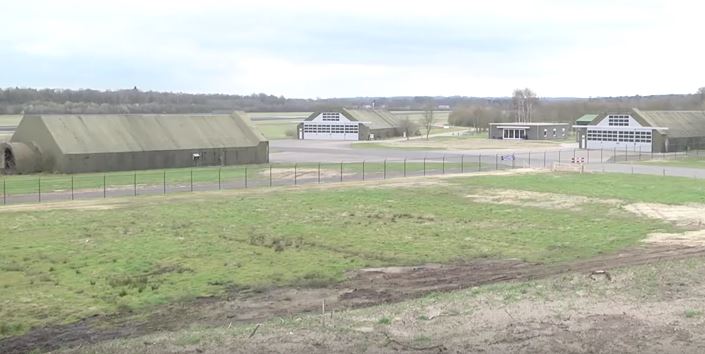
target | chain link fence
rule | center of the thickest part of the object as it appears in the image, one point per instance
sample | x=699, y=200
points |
x=42, y=188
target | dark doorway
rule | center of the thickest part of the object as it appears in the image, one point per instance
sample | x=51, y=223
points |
x=9, y=161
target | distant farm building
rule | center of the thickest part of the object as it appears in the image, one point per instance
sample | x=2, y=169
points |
x=646, y=131
x=350, y=124
x=92, y=143
x=528, y=131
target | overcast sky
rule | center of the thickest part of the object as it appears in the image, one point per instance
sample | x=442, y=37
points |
x=356, y=48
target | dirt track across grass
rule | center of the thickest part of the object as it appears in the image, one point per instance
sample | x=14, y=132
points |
x=362, y=288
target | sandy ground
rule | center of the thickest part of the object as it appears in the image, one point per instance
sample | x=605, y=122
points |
x=537, y=199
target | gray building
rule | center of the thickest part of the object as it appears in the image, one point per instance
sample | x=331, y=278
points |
x=645, y=131
x=93, y=143
x=528, y=131
x=349, y=124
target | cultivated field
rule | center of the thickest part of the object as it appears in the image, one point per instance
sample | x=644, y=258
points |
x=210, y=259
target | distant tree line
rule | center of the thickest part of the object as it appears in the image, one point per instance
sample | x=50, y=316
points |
x=87, y=101
x=476, y=112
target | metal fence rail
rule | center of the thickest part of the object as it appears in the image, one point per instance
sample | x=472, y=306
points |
x=42, y=188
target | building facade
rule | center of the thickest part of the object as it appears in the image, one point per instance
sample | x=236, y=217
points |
x=349, y=124
x=644, y=131
x=528, y=131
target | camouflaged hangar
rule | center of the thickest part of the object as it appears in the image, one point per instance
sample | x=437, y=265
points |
x=96, y=143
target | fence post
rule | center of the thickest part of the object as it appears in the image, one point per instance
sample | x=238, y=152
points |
x=220, y=185
x=496, y=162
x=384, y=176
x=134, y=183
x=614, y=155
x=443, y=165
x=319, y=172
x=270, y=174
x=601, y=151
x=559, y=156
x=4, y=192
x=192, y=180
x=405, y=167
x=164, y=181
x=529, y=159
x=295, y=171
x=424, y=166
x=105, y=188
x=39, y=189
x=479, y=162
x=71, y=187
x=363, y=170
x=462, y=160
x=245, y=177
x=544, y=159
x=341, y=171
x=513, y=159
x=639, y=153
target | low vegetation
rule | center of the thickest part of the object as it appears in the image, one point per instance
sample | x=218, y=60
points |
x=61, y=265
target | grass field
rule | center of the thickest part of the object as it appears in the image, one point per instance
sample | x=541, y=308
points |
x=283, y=174
x=61, y=265
x=689, y=162
x=9, y=120
x=639, y=309
x=275, y=129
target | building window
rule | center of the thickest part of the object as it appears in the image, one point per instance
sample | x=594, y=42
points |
x=545, y=133
x=615, y=120
x=331, y=116
x=624, y=136
x=554, y=132
x=562, y=131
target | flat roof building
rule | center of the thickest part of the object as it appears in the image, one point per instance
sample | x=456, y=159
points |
x=528, y=131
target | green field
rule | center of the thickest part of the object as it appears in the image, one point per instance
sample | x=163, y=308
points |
x=256, y=174
x=9, y=120
x=689, y=162
x=275, y=129
x=60, y=265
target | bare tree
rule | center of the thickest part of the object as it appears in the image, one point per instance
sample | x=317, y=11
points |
x=530, y=101
x=523, y=102
x=409, y=127
x=518, y=105
x=428, y=119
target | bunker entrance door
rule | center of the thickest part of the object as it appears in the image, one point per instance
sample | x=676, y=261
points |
x=8, y=161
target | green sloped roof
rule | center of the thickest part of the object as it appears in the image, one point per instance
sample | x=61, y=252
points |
x=79, y=134
x=373, y=118
x=587, y=118
x=680, y=124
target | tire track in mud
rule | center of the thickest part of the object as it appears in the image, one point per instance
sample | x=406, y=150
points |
x=365, y=287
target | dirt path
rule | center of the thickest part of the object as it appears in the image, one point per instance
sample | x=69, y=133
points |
x=362, y=288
